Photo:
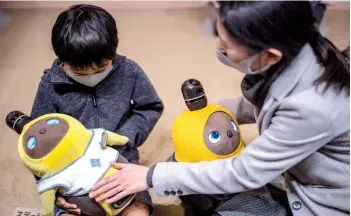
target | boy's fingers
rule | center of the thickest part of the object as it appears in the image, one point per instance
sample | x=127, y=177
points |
x=71, y=208
x=61, y=202
x=75, y=211
x=68, y=205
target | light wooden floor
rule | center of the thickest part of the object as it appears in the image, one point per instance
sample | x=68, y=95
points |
x=169, y=45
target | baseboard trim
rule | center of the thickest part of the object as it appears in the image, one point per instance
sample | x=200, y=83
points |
x=339, y=5
x=124, y=5
x=132, y=5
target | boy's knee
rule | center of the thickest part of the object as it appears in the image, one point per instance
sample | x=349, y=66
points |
x=136, y=209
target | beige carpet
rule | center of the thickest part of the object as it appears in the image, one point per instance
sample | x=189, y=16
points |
x=169, y=45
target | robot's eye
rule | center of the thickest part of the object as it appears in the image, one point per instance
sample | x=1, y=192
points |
x=52, y=121
x=234, y=126
x=214, y=137
x=31, y=143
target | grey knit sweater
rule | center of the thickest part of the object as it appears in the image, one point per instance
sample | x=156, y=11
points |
x=107, y=105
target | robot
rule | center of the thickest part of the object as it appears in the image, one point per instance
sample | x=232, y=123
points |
x=204, y=132
x=68, y=159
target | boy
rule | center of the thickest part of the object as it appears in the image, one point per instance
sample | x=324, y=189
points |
x=100, y=88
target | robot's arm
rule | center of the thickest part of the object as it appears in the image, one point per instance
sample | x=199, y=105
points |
x=113, y=139
x=48, y=201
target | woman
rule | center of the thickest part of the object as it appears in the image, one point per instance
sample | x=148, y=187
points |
x=296, y=89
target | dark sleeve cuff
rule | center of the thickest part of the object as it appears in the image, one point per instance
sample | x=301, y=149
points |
x=149, y=175
x=58, y=211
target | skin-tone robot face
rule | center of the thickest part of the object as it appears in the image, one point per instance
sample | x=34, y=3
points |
x=42, y=137
x=221, y=134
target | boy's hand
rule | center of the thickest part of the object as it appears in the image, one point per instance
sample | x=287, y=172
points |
x=71, y=208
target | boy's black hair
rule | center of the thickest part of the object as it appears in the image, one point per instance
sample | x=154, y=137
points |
x=83, y=35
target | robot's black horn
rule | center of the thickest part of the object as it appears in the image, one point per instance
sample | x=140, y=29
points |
x=194, y=94
x=16, y=120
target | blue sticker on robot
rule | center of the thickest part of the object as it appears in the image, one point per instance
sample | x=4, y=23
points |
x=52, y=121
x=31, y=143
x=234, y=126
x=95, y=162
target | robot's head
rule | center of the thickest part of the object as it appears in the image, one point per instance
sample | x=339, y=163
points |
x=207, y=134
x=48, y=143
x=221, y=134
x=204, y=132
x=43, y=136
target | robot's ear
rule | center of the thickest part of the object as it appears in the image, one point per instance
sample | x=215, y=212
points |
x=114, y=139
x=16, y=120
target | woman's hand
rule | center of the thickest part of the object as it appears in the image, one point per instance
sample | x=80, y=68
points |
x=71, y=208
x=128, y=180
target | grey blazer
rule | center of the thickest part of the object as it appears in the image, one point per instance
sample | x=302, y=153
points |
x=304, y=135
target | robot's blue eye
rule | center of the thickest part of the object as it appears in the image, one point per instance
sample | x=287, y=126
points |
x=31, y=143
x=214, y=137
x=52, y=121
x=234, y=126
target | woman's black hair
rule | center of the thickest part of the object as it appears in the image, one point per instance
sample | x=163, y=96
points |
x=286, y=26
x=83, y=35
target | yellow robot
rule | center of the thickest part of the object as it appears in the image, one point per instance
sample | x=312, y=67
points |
x=204, y=132
x=68, y=159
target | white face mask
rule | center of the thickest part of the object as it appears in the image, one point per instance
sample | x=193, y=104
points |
x=243, y=66
x=89, y=80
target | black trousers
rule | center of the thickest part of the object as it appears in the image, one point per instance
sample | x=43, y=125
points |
x=265, y=201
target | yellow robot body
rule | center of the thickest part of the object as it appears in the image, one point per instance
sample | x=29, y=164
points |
x=71, y=139
x=63, y=154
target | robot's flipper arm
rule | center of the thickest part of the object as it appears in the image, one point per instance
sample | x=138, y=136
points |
x=114, y=139
x=48, y=201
